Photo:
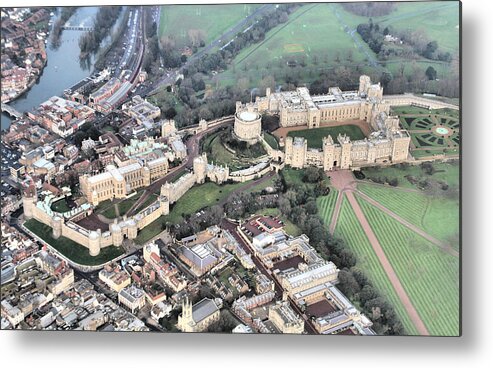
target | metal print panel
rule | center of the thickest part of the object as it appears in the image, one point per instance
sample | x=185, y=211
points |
x=235, y=168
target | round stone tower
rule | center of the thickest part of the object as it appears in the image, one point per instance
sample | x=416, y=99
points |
x=29, y=198
x=248, y=124
x=56, y=227
x=94, y=242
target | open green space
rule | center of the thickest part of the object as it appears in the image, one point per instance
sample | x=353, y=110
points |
x=198, y=197
x=179, y=22
x=71, y=249
x=261, y=186
x=447, y=172
x=60, y=206
x=436, y=215
x=429, y=275
x=271, y=140
x=349, y=229
x=151, y=199
x=314, y=136
x=108, y=208
x=326, y=205
x=439, y=21
x=312, y=37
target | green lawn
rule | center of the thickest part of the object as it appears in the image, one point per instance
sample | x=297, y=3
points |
x=60, y=206
x=293, y=177
x=271, y=140
x=212, y=20
x=151, y=199
x=429, y=275
x=438, y=20
x=312, y=37
x=71, y=249
x=259, y=187
x=109, y=210
x=447, y=172
x=349, y=229
x=196, y=198
x=436, y=215
x=326, y=205
x=214, y=146
x=314, y=136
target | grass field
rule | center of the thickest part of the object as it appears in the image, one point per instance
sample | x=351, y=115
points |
x=430, y=276
x=436, y=215
x=349, y=229
x=152, y=198
x=314, y=136
x=60, y=206
x=196, y=198
x=326, y=205
x=109, y=207
x=439, y=21
x=71, y=249
x=447, y=172
x=312, y=36
x=212, y=20
x=271, y=140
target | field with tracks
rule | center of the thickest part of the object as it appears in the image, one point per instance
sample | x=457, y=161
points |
x=430, y=276
x=349, y=229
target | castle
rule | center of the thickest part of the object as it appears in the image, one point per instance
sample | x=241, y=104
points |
x=386, y=144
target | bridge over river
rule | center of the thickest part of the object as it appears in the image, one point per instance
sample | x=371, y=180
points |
x=11, y=111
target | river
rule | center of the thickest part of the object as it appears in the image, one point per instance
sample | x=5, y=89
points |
x=63, y=68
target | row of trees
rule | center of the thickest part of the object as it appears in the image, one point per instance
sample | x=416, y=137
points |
x=299, y=205
x=105, y=19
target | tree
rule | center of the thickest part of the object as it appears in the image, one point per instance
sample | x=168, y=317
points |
x=431, y=73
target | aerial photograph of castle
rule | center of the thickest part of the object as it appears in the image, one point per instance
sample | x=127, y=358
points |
x=287, y=168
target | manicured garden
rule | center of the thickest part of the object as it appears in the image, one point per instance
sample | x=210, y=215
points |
x=349, y=229
x=429, y=275
x=326, y=205
x=71, y=249
x=315, y=136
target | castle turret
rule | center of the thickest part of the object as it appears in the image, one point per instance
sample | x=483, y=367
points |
x=29, y=199
x=164, y=205
x=56, y=227
x=346, y=145
x=200, y=168
x=94, y=242
x=132, y=229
